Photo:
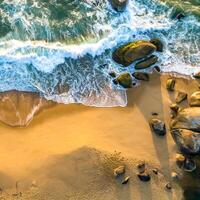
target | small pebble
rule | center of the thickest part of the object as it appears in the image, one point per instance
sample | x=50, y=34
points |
x=126, y=180
x=155, y=171
x=168, y=186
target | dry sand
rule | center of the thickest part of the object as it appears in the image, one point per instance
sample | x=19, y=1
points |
x=61, y=154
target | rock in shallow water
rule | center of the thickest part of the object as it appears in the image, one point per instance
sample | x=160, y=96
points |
x=170, y=85
x=181, y=97
x=119, y=5
x=141, y=76
x=187, y=141
x=157, y=126
x=119, y=170
x=146, y=63
x=133, y=51
x=125, y=80
x=144, y=176
x=158, y=43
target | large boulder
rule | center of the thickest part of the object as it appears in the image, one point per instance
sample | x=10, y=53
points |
x=133, y=51
x=146, y=63
x=187, y=118
x=194, y=99
x=187, y=141
x=119, y=5
x=125, y=80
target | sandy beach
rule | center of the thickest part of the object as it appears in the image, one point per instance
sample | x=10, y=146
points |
x=61, y=153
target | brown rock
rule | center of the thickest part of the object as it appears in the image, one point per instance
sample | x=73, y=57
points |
x=170, y=84
x=194, y=99
x=181, y=97
x=148, y=62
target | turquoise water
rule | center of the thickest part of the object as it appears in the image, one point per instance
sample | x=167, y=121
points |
x=62, y=49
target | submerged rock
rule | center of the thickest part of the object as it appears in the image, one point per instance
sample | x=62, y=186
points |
x=125, y=80
x=170, y=85
x=181, y=97
x=146, y=63
x=144, y=176
x=187, y=141
x=158, y=43
x=187, y=118
x=157, y=126
x=157, y=69
x=141, y=76
x=133, y=51
x=119, y=5
x=194, y=99
x=119, y=171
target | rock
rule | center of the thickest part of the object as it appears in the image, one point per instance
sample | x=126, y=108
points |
x=146, y=63
x=187, y=141
x=154, y=114
x=189, y=165
x=125, y=80
x=170, y=84
x=144, y=176
x=168, y=186
x=157, y=126
x=112, y=74
x=180, y=16
x=133, y=51
x=155, y=171
x=157, y=69
x=141, y=76
x=180, y=160
x=174, y=176
x=158, y=44
x=119, y=171
x=174, y=107
x=181, y=97
x=187, y=118
x=194, y=99
x=115, y=81
x=197, y=75
x=141, y=167
x=126, y=180
x=119, y=5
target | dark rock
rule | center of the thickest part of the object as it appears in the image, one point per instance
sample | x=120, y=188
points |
x=187, y=141
x=155, y=171
x=125, y=80
x=187, y=118
x=133, y=51
x=119, y=5
x=157, y=126
x=112, y=74
x=168, y=186
x=115, y=81
x=194, y=99
x=126, y=180
x=157, y=69
x=141, y=76
x=171, y=84
x=144, y=176
x=158, y=44
x=181, y=97
x=189, y=165
x=141, y=167
x=146, y=63
x=119, y=170
x=174, y=107
x=197, y=75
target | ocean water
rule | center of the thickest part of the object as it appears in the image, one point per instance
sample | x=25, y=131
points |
x=62, y=48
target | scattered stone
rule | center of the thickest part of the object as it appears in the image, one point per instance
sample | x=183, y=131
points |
x=181, y=97
x=157, y=126
x=144, y=176
x=194, y=99
x=189, y=165
x=115, y=81
x=112, y=74
x=158, y=44
x=168, y=186
x=146, y=63
x=133, y=51
x=125, y=80
x=157, y=69
x=141, y=76
x=119, y=5
x=141, y=167
x=119, y=171
x=187, y=141
x=155, y=171
x=171, y=84
x=174, y=176
x=180, y=159
x=187, y=118
x=126, y=180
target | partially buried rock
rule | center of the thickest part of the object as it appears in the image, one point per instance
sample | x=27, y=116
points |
x=133, y=51
x=157, y=69
x=141, y=76
x=197, y=75
x=125, y=80
x=144, y=176
x=119, y=170
x=157, y=126
x=112, y=74
x=155, y=171
x=187, y=141
x=181, y=97
x=158, y=44
x=168, y=186
x=141, y=167
x=194, y=99
x=146, y=63
x=170, y=84
x=119, y=5
x=126, y=180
